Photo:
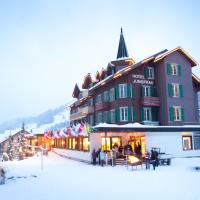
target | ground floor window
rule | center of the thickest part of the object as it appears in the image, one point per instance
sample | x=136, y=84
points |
x=86, y=144
x=134, y=141
x=108, y=142
x=105, y=143
x=187, y=142
x=196, y=140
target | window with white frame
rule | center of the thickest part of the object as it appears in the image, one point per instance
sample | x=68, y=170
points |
x=175, y=88
x=123, y=114
x=147, y=91
x=187, y=142
x=150, y=72
x=122, y=90
x=147, y=114
x=174, y=69
x=112, y=94
x=177, y=113
x=112, y=116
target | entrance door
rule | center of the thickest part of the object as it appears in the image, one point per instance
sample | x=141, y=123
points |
x=137, y=140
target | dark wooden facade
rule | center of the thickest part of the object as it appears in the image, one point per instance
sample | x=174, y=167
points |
x=159, y=90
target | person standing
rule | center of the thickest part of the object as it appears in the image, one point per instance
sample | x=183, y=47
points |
x=98, y=156
x=102, y=158
x=111, y=157
x=153, y=159
x=94, y=157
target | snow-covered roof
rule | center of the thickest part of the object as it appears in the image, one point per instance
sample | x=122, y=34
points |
x=138, y=126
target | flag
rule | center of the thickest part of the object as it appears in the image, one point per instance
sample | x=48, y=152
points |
x=88, y=128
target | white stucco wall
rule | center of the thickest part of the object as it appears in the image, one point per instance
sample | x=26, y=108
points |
x=73, y=154
x=169, y=143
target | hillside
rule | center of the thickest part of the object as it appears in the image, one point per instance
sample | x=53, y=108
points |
x=51, y=119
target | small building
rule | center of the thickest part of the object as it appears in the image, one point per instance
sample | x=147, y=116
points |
x=7, y=139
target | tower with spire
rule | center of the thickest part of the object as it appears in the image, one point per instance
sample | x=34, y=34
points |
x=122, y=50
x=123, y=60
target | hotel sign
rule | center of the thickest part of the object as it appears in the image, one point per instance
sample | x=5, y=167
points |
x=140, y=79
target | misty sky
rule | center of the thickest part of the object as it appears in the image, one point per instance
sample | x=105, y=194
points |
x=47, y=46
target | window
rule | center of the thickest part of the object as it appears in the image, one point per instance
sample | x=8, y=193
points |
x=177, y=113
x=112, y=116
x=91, y=120
x=85, y=144
x=90, y=102
x=112, y=94
x=105, y=96
x=105, y=116
x=147, y=91
x=99, y=117
x=147, y=114
x=105, y=143
x=122, y=90
x=174, y=69
x=123, y=114
x=187, y=142
x=150, y=71
x=175, y=89
x=99, y=98
x=196, y=140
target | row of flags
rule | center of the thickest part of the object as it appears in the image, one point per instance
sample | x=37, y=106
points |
x=80, y=129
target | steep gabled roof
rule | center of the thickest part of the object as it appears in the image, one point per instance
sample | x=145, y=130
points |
x=76, y=91
x=87, y=81
x=162, y=56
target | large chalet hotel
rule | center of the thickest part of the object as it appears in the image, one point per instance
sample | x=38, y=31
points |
x=153, y=102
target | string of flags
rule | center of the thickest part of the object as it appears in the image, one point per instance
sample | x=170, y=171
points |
x=80, y=129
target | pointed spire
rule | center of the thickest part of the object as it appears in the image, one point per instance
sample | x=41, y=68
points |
x=122, y=50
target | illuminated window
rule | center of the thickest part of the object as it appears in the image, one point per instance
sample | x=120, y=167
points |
x=73, y=143
x=187, y=142
x=105, y=143
x=85, y=144
x=116, y=141
x=70, y=143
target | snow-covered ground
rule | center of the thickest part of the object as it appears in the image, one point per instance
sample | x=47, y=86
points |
x=66, y=179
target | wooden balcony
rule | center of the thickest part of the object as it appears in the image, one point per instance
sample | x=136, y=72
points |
x=82, y=112
x=150, y=101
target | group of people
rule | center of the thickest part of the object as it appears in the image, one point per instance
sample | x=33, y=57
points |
x=101, y=157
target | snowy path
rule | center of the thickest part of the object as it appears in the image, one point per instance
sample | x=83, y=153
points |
x=66, y=179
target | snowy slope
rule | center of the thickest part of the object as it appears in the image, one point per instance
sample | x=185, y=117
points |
x=51, y=119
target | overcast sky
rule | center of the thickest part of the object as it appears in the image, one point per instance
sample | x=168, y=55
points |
x=47, y=46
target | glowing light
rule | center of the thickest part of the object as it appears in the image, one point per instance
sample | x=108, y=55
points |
x=133, y=159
